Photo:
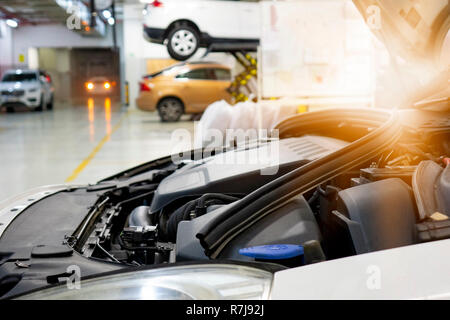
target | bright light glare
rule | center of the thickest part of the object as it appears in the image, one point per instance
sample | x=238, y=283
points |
x=89, y=85
x=107, y=85
x=111, y=21
x=445, y=54
x=12, y=23
x=106, y=14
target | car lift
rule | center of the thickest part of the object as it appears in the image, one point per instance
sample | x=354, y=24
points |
x=244, y=85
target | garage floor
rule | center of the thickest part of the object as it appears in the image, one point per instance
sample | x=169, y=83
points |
x=78, y=144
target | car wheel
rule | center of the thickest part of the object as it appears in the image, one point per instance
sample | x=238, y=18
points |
x=170, y=109
x=10, y=109
x=183, y=42
x=41, y=104
x=50, y=104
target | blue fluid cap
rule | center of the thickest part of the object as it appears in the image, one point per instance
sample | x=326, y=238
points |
x=273, y=251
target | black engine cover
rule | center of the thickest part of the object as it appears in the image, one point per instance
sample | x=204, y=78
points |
x=243, y=170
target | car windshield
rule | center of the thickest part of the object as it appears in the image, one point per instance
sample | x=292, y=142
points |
x=165, y=70
x=19, y=77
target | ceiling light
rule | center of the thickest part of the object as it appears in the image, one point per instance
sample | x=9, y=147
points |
x=12, y=23
x=106, y=14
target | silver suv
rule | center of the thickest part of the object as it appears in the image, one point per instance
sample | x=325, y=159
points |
x=30, y=88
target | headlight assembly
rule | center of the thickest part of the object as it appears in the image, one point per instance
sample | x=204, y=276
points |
x=203, y=282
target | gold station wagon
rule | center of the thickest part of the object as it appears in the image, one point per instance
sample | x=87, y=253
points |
x=186, y=88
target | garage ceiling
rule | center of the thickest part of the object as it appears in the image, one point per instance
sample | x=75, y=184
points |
x=33, y=11
x=36, y=12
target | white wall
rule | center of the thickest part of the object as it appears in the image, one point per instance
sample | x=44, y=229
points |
x=53, y=36
x=5, y=46
x=137, y=49
x=33, y=58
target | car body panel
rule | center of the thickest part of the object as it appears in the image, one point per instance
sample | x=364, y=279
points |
x=195, y=94
x=12, y=207
x=198, y=94
x=204, y=14
x=413, y=272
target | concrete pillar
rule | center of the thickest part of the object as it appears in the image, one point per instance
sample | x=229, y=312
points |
x=136, y=49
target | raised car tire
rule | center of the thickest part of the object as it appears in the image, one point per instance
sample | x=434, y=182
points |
x=182, y=42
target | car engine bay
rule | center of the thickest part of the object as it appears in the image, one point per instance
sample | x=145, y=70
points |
x=398, y=198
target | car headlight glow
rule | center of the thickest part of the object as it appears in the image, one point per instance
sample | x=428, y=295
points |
x=203, y=282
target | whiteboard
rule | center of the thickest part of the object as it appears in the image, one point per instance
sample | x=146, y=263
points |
x=313, y=48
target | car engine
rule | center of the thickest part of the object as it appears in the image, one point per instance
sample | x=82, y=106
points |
x=156, y=214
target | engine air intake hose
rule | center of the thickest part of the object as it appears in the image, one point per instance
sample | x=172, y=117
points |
x=196, y=207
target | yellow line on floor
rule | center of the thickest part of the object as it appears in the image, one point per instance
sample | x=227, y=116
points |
x=97, y=148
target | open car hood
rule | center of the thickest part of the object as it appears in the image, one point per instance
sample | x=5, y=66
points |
x=414, y=30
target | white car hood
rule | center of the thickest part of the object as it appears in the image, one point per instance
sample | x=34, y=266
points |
x=414, y=30
x=412, y=272
x=12, y=207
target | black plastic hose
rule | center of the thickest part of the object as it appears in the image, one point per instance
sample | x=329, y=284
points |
x=198, y=206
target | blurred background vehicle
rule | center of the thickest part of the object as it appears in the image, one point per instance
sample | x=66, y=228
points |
x=27, y=88
x=186, y=88
x=99, y=86
x=184, y=26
